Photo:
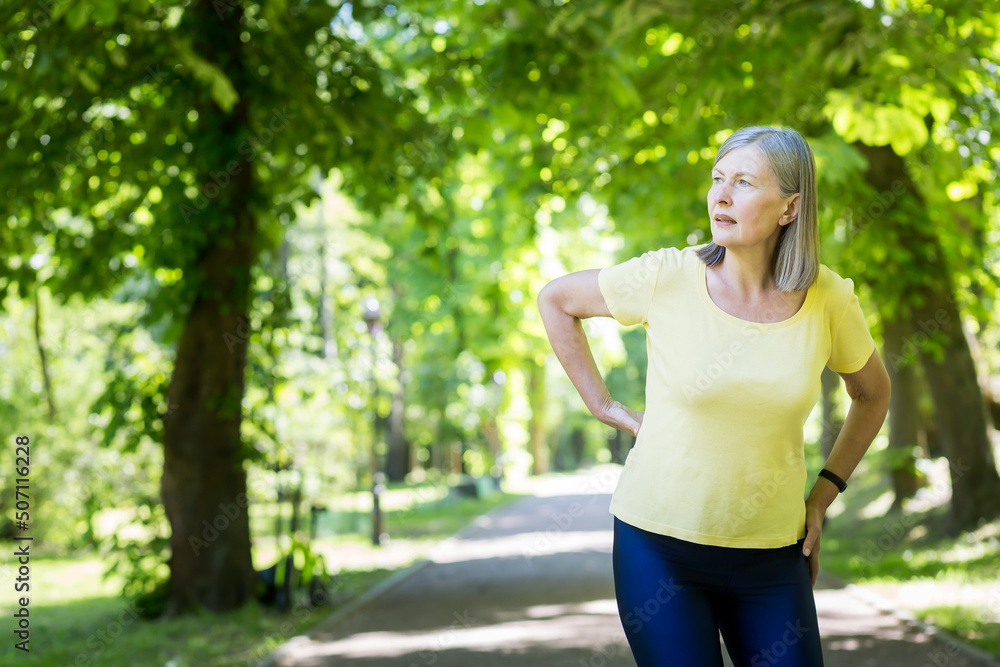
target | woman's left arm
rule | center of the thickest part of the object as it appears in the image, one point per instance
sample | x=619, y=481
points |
x=869, y=389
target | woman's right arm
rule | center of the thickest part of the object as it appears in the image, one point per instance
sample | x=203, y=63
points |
x=562, y=303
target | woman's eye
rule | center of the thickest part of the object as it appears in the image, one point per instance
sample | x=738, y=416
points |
x=744, y=181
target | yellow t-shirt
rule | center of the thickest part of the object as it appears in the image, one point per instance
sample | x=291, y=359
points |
x=719, y=458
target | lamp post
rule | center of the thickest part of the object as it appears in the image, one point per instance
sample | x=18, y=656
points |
x=378, y=478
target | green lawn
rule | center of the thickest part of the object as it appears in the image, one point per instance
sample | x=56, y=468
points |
x=968, y=623
x=864, y=545
x=904, y=547
x=78, y=618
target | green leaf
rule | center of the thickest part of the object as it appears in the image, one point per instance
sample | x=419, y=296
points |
x=223, y=92
x=105, y=11
x=77, y=16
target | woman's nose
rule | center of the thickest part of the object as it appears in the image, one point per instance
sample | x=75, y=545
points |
x=722, y=194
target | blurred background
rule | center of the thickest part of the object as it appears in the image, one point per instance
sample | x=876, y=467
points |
x=268, y=275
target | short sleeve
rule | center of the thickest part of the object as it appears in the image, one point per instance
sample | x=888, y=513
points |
x=628, y=287
x=852, y=343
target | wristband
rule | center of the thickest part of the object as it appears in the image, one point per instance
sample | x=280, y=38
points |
x=841, y=484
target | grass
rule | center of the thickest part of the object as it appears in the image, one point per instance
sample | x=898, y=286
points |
x=78, y=618
x=102, y=630
x=410, y=510
x=898, y=547
x=866, y=542
x=966, y=623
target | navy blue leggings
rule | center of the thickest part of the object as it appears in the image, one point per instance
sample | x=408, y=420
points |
x=675, y=596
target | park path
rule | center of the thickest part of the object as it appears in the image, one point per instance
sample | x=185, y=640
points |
x=530, y=584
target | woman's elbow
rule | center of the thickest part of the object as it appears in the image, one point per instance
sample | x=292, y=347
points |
x=879, y=392
x=546, y=296
x=878, y=401
x=870, y=384
x=549, y=301
x=883, y=385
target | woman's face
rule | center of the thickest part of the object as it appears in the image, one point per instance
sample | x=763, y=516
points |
x=744, y=204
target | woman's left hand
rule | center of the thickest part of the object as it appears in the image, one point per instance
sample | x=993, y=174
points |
x=815, y=512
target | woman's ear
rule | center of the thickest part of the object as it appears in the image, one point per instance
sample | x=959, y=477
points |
x=791, y=211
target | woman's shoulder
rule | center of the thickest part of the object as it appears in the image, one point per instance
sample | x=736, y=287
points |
x=831, y=280
x=675, y=260
x=671, y=257
x=682, y=256
x=671, y=252
x=670, y=260
x=834, y=288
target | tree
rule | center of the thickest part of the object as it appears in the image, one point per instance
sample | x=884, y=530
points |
x=175, y=151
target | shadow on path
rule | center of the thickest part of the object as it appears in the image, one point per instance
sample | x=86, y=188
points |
x=531, y=584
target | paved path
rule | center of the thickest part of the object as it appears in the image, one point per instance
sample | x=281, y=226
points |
x=530, y=584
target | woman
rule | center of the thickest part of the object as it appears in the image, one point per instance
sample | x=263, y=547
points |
x=711, y=532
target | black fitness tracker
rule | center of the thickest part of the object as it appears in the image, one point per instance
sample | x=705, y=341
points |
x=841, y=484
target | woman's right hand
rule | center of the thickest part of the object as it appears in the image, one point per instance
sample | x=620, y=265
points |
x=620, y=416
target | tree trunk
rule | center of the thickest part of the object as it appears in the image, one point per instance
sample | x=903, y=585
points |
x=46, y=377
x=577, y=442
x=322, y=309
x=833, y=418
x=490, y=425
x=536, y=397
x=437, y=455
x=204, y=482
x=930, y=312
x=904, y=415
x=962, y=418
x=457, y=457
x=398, y=463
x=296, y=501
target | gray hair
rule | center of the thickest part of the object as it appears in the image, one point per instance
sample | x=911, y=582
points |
x=796, y=260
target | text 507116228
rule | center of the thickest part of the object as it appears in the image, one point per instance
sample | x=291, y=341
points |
x=22, y=549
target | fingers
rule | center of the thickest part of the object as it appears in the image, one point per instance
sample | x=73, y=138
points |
x=810, y=548
x=624, y=418
x=811, y=536
x=633, y=422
